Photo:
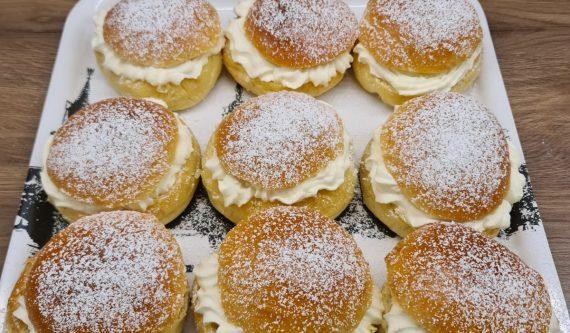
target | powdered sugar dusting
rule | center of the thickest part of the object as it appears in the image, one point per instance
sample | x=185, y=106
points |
x=448, y=153
x=307, y=32
x=278, y=140
x=108, y=272
x=292, y=270
x=112, y=151
x=430, y=24
x=424, y=28
x=462, y=281
x=161, y=30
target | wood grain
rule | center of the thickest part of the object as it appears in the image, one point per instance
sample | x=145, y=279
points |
x=532, y=40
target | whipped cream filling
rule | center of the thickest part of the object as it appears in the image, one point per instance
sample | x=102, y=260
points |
x=244, y=52
x=397, y=321
x=154, y=75
x=235, y=192
x=208, y=301
x=387, y=191
x=22, y=313
x=410, y=84
x=373, y=315
x=183, y=150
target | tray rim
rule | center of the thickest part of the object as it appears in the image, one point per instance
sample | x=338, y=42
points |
x=228, y=5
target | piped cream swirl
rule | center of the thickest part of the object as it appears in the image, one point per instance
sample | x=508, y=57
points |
x=208, y=300
x=235, y=192
x=410, y=84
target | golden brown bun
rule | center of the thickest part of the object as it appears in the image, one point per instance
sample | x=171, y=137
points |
x=449, y=156
x=329, y=203
x=387, y=213
x=389, y=95
x=132, y=143
x=161, y=33
x=177, y=96
x=171, y=203
x=13, y=324
x=258, y=87
x=121, y=265
x=420, y=36
x=275, y=142
x=303, y=33
x=90, y=149
x=290, y=269
x=448, y=277
x=211, y=328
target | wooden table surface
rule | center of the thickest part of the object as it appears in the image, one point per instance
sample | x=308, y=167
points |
x=532, y=40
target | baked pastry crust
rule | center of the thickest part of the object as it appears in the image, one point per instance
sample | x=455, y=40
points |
x=422, y=37
x=259, y=87
x=83, y=156
x=386, y=213
x=305, y=271
x=129, y=177
x=177, y=96
x=170, y=204
x=448, y=277
x=301, y=34
x=329, y=203
x=113, y=234
x=258, y=147
x=161, y=33
x=13, y=324
x=389, y=95
x=449, y=156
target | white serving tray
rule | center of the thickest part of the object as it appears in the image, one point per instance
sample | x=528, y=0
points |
x=76, y=80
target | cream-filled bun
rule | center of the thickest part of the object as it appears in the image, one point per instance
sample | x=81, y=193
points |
x=121, y=153
x=283, y=148
x=301, y=45
x=409, y=48
x=445, y=277
x=116, y=271
x=286, y=269
x=166, y=49
x=441, y=157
